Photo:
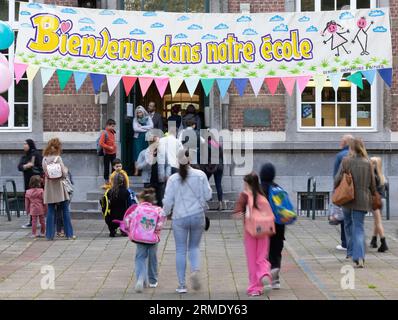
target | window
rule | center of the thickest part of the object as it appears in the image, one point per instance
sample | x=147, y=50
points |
x=19, y=96
x=167, y=5
x=348, y=108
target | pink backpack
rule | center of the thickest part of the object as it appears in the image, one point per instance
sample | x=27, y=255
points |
x=259, y=222
x=142, y=223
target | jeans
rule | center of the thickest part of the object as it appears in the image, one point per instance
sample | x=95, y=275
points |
x=144, y=270
x=355, y=233
x=187, y=235
x=217, y=180
x=58, y=218
x=108, y=158
x=50, y=223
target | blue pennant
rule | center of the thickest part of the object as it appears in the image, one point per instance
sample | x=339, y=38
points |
x=386, y=75
x=97, y=80
x=240, y=84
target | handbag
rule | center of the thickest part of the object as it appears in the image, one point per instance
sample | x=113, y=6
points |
x=336, y=214
x=344, y=192
x=54, y=169
x=67, y=185
x=377, y=204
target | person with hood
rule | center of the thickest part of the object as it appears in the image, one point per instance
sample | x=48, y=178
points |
x=30, y=164
x=142, y=123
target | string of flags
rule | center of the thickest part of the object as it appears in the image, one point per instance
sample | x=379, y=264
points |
x=223, y=84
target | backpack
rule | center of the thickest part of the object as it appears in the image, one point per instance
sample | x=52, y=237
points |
x=141, y=223
x=105, y=204
x=100, y=150
x=281, y=205
x=259, y=222
x=54, y=169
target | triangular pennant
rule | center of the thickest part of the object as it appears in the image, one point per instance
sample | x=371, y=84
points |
x=335, y=79
x=302, y=82
x=79, y=77
x=63, y=78
x=289, y=82
x=19, y=70
x=207, y=84
x=97, y=79
x=128, y=83
x=31, y=72
x=241, y=84
x=272, y=84
x=191, y=84
x=256, y=84
x=386, y=75
x=161, y=85
x=46, y=75
x=369, y=75
x=175, y=84
x=112, y=82
x=356, y=78
x=145, y=83
x=319, y=80
x=223, y=85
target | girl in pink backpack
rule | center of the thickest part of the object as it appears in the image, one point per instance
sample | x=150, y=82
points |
x=258, y=227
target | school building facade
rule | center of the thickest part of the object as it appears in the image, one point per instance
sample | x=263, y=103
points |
x=300, y=134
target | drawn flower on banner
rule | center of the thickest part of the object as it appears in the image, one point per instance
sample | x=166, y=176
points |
x=86, y=20
x=107, y=13
x=183, y=18
x=137, y=31
x=69, y=11
x=157, y=25
x=195, y=27
x=312, y=29
x=249, y=32
x=379, y=29
x=34, y=6
x=119, y=21
x=244, y=19
x=281, y=28
x=304, y=19
x=376, y=13
x=346, y=15
x=181, y=36
x=209, y=37
x=87, y=29
x=221, y=26
x=149, y=14
x=276, y=19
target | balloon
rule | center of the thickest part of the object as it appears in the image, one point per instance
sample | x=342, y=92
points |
x=5, y=79
x=4, y=111
x=6, y=36
x=3, y=60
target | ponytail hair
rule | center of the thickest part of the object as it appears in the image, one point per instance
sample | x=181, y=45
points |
x=184, y=159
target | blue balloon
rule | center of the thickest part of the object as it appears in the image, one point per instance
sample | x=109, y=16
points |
x=6, y=36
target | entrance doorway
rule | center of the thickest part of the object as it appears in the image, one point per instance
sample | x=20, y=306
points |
x=163, y=106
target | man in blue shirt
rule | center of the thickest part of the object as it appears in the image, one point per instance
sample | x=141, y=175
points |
x=344, y=145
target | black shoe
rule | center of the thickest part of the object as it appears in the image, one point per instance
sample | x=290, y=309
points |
x=383, y=246
x=112, y=234
x=373, y=242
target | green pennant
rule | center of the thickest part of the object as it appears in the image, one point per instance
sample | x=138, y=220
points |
x=356, y=78
x=207, y=85
x=63, y=78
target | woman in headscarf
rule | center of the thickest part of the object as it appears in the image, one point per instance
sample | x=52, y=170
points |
x=142, y=123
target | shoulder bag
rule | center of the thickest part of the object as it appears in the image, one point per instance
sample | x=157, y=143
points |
x=344, y=192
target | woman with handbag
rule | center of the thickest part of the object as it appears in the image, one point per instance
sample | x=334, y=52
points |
x=55, y=191
x=259, y=226
x=186, y=193
x=356, y=179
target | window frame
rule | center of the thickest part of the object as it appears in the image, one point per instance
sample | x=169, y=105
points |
x=11, y=91
x=354, y=101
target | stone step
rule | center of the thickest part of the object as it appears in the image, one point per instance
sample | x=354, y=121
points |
x=85, y=205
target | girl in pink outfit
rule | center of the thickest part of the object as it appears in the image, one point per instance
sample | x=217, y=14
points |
x=35, y=206
x=256, y=249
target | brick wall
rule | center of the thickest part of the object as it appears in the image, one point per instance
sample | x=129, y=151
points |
x=72, y=116
x=264, y=100
x=394, y=88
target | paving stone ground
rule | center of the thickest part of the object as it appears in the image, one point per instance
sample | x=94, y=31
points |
x=95, y=266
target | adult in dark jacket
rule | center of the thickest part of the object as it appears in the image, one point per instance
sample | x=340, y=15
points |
x=191, y=115
x=30, y=164
x=344, y=145
x=358, y=164
x=156, y=117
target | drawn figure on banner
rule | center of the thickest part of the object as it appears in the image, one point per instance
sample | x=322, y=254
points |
x=362, y=34
x=336, y=38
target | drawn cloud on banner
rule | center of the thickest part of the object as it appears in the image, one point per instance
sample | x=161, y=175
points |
x=34, y=6
x=249, y=32
x=107, y=13
x=149, y=14
x=137, y=31
x=376, y=13
x=157, y=25
x=346, y=15
x=183, y=18
x=26, y=25
x=119, y=21
x=25, y=13
x=281, y=28
x=195, y=27
x=276, y=18
x=181, y=36
x=312, y=29
x=209, y=37
x=244, y=19
x=87, y=29
x=86, y=20
x=304, y=19
x=221, y=26
x=69, y=10
x=379, y=29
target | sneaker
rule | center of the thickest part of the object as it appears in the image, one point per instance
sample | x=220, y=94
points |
x=182, y=289
x=71, y=238
x=33, y=236
x=153, y=285
x=139, y=287
x=254, y=294
x=195, y=280
x=267, y=283
x=26, y=226
x=359, y=264
x=276, y=285
x=340, y=248
x=42, y=235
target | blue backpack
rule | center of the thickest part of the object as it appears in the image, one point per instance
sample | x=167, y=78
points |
x=100, y=150
x=281, y=205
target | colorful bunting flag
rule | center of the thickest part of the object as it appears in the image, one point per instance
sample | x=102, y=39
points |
x=241, y=84
x=175, y=84
x=302, y=82
x=145, y=83
x=386, y=75
x=112, y=82
x=19, y=70
x=289, y=82
x=223, y=85
x=46, y=74
x=191, y=84
x=63, y=78
x=256, y=84
x=369, y=75
x=97, y=79
x=320, y=80
x=272, y=84
x=79, y=77
x=31, y=72
x=207, y=84
x=335, y=79
x=128, y=83
x=356, y=78
x=161, y=85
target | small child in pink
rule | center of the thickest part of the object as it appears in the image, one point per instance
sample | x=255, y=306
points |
x=35, y=206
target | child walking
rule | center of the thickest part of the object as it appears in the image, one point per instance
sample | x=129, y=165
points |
x=35, y=206
x=108, y=144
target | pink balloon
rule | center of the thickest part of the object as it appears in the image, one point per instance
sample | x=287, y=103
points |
x=5, y=79
x=4, y=110
x=3, y=60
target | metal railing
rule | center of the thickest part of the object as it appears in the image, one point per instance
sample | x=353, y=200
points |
x=10, y=199
x=311, y=197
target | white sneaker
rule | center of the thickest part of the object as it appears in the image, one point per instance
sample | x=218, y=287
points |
x=182, y=289
x=195, y=280
x=139, y=287
x=153, y=285
x=276, y=285
x=266, y=281
x=340, y=248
